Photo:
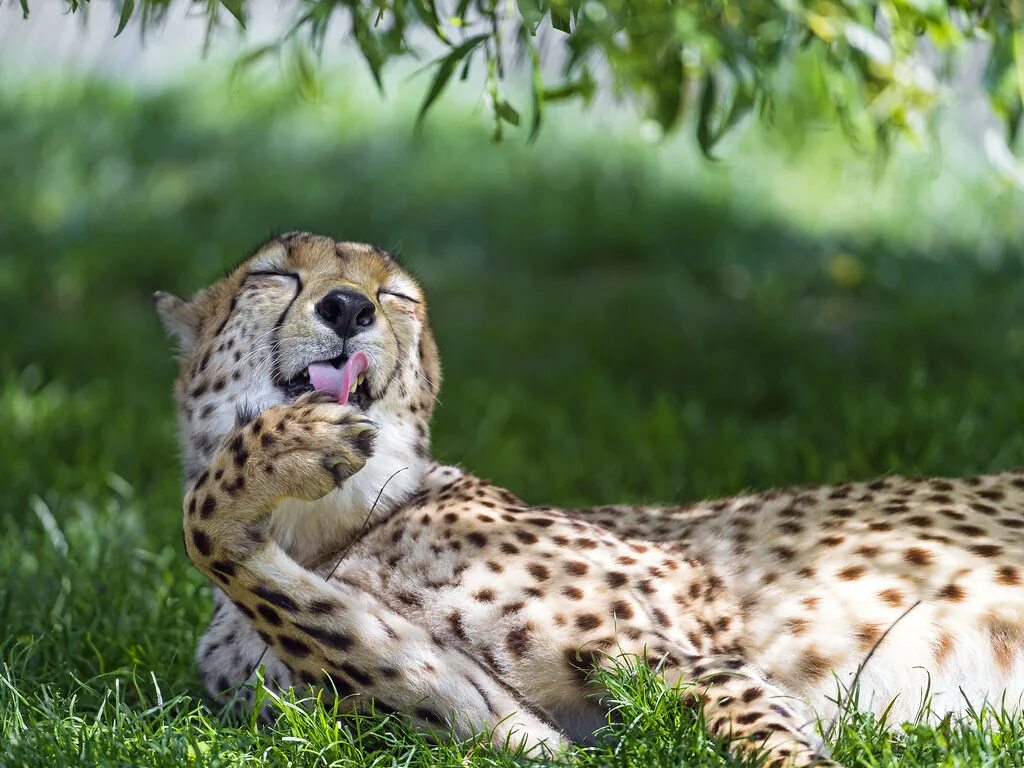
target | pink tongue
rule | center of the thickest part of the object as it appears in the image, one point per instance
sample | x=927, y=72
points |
x=338, y=381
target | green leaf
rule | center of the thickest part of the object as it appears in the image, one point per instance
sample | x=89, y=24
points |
x=532, y=14
x=460, y=10
x=536, y=85
x=249, y=58
x=367, y=46
x=445, y=67
x=506, y=112
x=560, y=17
x=708, y=97
x=234, y=7
x=305, y=74
x=127, y=6
x=427, y=13
x=582, y=87
x=670, y=90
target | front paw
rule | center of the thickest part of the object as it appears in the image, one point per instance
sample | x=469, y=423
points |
x=313, y=445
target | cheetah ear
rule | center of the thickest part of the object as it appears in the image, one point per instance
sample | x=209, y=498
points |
x=178, y=316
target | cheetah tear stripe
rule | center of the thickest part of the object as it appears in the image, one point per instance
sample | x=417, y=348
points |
x=338, y=381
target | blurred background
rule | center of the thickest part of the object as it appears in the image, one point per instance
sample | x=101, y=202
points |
x=620, y=319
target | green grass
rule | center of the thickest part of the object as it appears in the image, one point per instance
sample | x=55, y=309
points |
x=617, y=322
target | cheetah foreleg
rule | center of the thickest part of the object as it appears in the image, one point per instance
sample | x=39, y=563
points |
x=329, y=631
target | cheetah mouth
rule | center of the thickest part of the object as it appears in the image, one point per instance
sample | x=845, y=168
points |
x=343, y=376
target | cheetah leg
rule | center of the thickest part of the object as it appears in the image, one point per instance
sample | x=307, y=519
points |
x=738, y=702
x=329, y=631
x=741, y=704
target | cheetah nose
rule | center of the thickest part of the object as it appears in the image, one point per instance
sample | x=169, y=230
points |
x=346, y=311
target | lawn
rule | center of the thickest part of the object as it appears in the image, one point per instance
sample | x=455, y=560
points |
x=618, y=322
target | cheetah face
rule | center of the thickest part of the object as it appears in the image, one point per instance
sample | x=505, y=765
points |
x=344, y=323
x=305, y=312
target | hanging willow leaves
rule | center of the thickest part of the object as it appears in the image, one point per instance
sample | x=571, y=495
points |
x=443, y=73
x=874, y=55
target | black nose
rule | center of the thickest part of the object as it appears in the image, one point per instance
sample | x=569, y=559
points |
x=347, y=312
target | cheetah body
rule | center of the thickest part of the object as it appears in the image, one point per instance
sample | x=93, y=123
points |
x=533, y=589
x=455, y=602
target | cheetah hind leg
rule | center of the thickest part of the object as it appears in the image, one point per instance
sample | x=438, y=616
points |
x=739, y=704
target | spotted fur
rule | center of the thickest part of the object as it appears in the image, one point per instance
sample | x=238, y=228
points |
x=469, y=610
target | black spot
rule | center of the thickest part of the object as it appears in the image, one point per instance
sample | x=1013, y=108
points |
x=274, y=597
x=430, y=717
x=455, y=623
x=357, y=674
x=209, y=505
x=341, y=687
x=223, y=566
x=293, y=645
x=364, y=443
x=581, y=662
x=720, y=678
x=201, y=542
x=321, y=606
x=271, y=616
x=337, y=640
x=518, y=641
x=526, y=537
x=227, y=317
x=615, y=578
x=538, y=571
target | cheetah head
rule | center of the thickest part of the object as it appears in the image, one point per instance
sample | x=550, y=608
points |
x=305, y=312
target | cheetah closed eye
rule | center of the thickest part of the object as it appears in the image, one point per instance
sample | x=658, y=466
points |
x=308, y=378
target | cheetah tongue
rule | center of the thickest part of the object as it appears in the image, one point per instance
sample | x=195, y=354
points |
x=338, y=381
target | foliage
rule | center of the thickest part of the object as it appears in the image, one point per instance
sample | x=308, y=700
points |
x=610, y=332
x=719, y=60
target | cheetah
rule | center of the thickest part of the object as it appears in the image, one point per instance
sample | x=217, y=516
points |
x=346, y=561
